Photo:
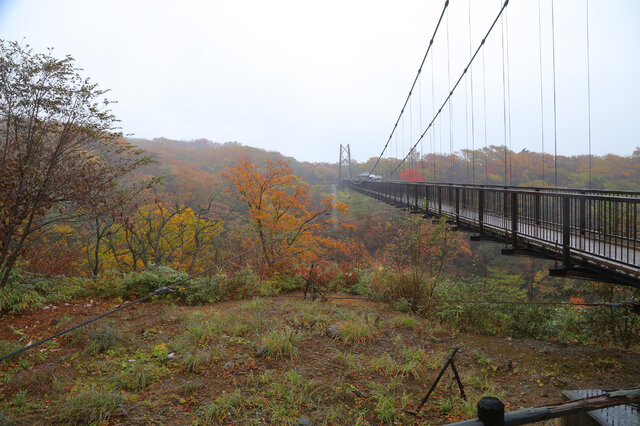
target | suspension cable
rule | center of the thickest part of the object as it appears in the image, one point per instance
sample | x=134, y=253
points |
x=433, y=111
x=506, y=26
x=473, y=132
x=504, y=99
x=420, y=126
x=484, y=103
x=589, y=91
x=453, y=89
x=555, y=106
x=541, y=89
x=451, y=170
x=395, y=126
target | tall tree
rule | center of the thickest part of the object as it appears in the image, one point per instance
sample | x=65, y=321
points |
x=287, y=228
x=59, y=146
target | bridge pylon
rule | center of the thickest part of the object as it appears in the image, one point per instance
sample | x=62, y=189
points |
x=345, y=160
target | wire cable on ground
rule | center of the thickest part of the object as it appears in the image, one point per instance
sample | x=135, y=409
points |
x=160, y=291
x=395, y=126
x=446, y=101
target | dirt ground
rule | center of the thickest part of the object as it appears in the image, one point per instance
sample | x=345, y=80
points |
x=369, y=379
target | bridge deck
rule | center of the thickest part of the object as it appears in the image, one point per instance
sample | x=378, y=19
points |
x=594, y=232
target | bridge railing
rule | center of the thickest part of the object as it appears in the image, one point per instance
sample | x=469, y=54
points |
x=599, y=226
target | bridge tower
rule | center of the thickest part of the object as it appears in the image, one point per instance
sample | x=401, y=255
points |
x=345, y=160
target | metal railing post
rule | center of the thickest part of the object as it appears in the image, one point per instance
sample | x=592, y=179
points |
x=457, y=195
x=582, y=215
x=439, y=200
x=536, y=206
x=481, y=210
x=514, y=219
x=566, y=230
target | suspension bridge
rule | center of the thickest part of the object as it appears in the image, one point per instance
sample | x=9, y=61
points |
x=588, y=233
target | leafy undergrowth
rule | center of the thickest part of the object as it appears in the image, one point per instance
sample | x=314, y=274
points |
x=276, y=360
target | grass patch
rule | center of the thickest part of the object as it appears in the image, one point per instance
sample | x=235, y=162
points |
x=192, y=362
x=406, y=322
x=254, y=305
x=280, y=343
x=223, y=407
x=7, y=347
x=88, y=407
x=288, y=394
x=356, y=333
x=135, y=378
x=103, y=338
x=347, y=360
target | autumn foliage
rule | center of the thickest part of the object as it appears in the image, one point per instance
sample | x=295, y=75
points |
x=411, y=175
x=284, y=224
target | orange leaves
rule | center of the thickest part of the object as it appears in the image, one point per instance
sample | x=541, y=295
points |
x=287, y=228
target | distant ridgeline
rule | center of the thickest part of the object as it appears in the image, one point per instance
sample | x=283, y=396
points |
x=525, y=167
x=205, y=159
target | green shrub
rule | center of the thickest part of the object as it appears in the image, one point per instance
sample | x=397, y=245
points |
x=94, y=406
x=33, y=291
x=199, y=292
x=239, y=285
x=280, y=283
x=138, y=284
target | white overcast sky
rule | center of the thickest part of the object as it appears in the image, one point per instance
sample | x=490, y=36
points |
x=301, y=77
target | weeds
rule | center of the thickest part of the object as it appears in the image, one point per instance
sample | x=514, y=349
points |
x=256, y=305
x=94, y=406
x=348, y=360
x=403, y=321
x=280, y=343
x=191, y=362
x=354, y=333
x=134, y=378
x=223, y=407
x=103, y=338
x=7, y=347
x=385, y=408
